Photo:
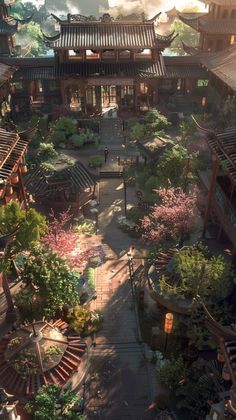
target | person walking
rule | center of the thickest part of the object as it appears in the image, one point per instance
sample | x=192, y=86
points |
x=106, y=153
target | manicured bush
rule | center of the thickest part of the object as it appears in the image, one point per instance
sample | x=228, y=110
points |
x=65, y=124
x=77, y=140
x=58, y=137
x=86, y=227
x=46, y=152
x=82, y=320
x=95, y=161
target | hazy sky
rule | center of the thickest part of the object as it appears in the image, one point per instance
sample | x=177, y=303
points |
x=92, y=6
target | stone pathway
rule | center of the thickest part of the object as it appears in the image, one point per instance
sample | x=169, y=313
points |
x=111, y=131
x=119, y=385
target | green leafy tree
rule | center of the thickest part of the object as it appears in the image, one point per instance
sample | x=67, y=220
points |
x=28, y=225
x=186, y=34
x=151, y=123
x=45, y=153
x=171, y=167
x=199, y=387
x=65, y=124
x=30, y=36
x=54, y=403
x=201, y=274
x=172, y=372
x=188, y=130
x=52, y=283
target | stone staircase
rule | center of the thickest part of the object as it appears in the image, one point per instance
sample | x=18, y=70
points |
x=111, y=132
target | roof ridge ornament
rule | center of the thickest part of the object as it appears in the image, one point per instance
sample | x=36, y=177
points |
x=106, y=18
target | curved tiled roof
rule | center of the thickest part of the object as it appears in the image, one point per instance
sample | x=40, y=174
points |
x=42, y=183
x=38, y=369
x=220, y=2
x=222, y=64
x=99, y=35
x=206, y=24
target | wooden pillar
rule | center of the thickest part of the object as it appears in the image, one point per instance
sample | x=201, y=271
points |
x=84, y=98
x=210, y=194
x=135, y=96
x=22, y=188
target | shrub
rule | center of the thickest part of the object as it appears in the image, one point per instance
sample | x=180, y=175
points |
x=202, y=274
x=172, y=372
x=151, y=183
x=58, y=137
x=65, y=124
x=77, y=140
x=47, y=166
x=79, y=318
x=82, y=320
x=86, y=227
x=134, y=214
x=51, y=282
x=46, y=152
x=95, y=161
x=90, y=277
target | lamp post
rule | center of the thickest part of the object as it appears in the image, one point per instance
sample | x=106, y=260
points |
x=168, y=327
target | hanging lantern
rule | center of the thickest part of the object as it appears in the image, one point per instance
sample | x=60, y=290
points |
x=23, y=168
x=15, y=178
x=225, y=373
x=203, y=101
x=169, y=321
x=9, y=190
x=220, y=356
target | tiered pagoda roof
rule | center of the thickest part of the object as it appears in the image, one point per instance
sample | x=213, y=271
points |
x=107, y=33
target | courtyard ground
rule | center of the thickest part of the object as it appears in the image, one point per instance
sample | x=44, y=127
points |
x=121, y=384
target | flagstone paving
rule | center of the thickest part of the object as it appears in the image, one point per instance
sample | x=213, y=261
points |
x=120, y=385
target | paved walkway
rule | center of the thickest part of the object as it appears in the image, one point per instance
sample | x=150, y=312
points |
x=119, y=386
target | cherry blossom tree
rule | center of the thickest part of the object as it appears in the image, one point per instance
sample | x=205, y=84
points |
x=62, y=239
x=172, y=218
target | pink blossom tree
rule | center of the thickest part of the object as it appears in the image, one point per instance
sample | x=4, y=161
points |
x=172, y=218
x=62, y=239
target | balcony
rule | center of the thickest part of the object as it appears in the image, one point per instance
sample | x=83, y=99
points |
x=224, y=209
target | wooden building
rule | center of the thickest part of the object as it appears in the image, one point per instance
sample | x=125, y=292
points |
x=13, y=147
x=108, y=63
x=220, y=183
x=222, y=69
x=104, y=63
x=6, y=74
x=8, y=27
x=226, y=339
x=72, y=187
x=217, y=28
